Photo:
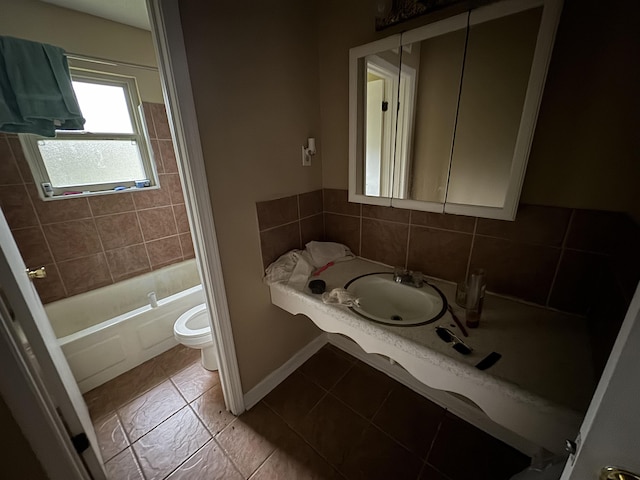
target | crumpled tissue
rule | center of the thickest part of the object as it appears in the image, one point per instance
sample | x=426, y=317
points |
x=340, y=296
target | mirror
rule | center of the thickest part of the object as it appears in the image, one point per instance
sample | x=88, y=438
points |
x=496, y=74
x=438, y=60
x=466, y=93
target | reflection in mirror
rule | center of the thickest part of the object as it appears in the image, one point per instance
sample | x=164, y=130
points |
x=374, y=72
x=496, y=76
x=438, y=61
x=381, y=87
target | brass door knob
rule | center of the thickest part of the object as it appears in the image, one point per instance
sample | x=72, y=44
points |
x=37, y=273
x=615, y=473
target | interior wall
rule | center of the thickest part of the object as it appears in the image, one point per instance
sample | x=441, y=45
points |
x=85, y=34
x=254, y=77
x=585, y=149
x=17, y=456
x=584, y=153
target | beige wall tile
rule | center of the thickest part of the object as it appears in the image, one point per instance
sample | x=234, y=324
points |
x=16, y=206
x=119, y=230
x=164, y=251
x=33, y=246
x=110, y=204
x=84, y=274
x=274, y=213
x=128, y=262
x=73, y=239
x=157, y=223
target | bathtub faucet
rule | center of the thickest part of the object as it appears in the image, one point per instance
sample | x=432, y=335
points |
x=153, y=300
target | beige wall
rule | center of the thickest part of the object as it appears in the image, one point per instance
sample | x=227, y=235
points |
x=585, y=148
x=254, y=78
x=86, y=35
x=16, y=456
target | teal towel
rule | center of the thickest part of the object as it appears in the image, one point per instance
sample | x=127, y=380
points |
x=36, y=94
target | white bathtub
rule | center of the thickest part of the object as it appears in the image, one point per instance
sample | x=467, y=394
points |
x=105, y=332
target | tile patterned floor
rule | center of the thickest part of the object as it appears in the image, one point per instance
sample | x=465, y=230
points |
x=334, y=418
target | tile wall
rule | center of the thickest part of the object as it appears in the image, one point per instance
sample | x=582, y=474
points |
x=551, y=256
x=86, y=243
x=579, y=261
x=288, y=223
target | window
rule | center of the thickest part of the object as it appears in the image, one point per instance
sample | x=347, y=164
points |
x=111, y=152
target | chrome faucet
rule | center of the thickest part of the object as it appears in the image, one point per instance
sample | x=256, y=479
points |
x=407, y=277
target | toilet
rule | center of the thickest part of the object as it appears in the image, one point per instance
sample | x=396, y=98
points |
x=193, y=330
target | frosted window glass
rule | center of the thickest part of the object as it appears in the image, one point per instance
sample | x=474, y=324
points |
x=86, y=162
x=104, y=107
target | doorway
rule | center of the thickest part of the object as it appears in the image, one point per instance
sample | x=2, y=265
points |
x=197, y=208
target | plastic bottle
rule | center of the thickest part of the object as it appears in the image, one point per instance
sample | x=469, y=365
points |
x=475, y=297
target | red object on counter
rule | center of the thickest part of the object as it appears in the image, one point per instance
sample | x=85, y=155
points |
x=322, y=269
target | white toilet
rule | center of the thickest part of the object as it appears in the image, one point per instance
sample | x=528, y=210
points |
x=192, y=329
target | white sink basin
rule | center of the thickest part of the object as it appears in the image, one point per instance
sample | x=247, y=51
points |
x=384, y=301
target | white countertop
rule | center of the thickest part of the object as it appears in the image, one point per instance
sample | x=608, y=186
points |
x=540, y=387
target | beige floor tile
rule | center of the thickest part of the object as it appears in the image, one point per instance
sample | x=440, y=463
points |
x=178, y=358
x=111, y=437
x=123, y=466
x=194, y=380
x=150, y=409
x=167, y=446
x=210, y=463
x=252, y=437
x=135, y=382
x=212, y=411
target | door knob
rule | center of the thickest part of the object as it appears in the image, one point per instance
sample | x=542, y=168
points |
x=37, y=273
x=615, y=473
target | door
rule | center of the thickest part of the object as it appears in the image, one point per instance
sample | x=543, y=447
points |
x=29, y=325
x=610, y=432
x=375, y=134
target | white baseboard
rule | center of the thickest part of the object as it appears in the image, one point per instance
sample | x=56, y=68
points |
x=272, y=380
x=460, y=407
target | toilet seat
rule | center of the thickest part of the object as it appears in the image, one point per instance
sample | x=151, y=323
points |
x=192, y=328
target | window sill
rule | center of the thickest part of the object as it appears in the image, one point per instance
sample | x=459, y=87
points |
x=96, y=193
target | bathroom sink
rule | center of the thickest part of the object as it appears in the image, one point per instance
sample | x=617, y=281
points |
x=384, y=301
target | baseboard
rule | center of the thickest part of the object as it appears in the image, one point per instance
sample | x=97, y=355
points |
x=459, y=406
x=272, y=380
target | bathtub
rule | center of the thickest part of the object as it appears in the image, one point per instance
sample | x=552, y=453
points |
x=106, y=332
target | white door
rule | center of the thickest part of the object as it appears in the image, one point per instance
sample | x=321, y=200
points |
x=36, y=341
x=374, y=135
x=610, y=433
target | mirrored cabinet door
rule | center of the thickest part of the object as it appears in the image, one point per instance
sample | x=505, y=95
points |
x=432, y=61
x=496, y=76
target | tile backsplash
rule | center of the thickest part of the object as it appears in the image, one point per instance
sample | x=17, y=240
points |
x=552, y=256
x=89, y=242
x=288, y=223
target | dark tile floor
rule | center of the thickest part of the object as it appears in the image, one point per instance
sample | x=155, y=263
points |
x=335, y=417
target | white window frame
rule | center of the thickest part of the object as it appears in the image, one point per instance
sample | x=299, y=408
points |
x=140, y=136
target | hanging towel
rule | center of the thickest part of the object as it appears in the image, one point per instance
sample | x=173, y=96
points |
x=36, y=95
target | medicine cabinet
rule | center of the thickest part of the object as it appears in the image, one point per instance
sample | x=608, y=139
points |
x=441, y=118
